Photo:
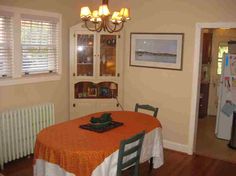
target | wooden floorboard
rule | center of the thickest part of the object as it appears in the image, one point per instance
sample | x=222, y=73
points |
x=207, y=144
x=176, y=164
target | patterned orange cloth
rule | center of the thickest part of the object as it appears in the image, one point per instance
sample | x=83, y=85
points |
x=80, y=151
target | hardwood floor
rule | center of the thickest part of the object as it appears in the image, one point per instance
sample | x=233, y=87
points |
x=209, y=145
x=175, y=164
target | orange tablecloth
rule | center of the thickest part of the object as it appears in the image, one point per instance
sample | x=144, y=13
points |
x=80, y=151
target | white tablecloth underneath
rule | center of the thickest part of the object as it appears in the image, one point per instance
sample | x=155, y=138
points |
x=152, y=147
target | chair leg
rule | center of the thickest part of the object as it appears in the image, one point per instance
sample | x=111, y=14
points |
x=151, y=164
x=136, y=170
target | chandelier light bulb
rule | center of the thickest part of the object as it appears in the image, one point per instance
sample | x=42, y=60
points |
x=95, y=17
x=116, y=18
x=124, y=13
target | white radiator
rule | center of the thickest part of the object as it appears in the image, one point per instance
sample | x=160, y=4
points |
x=18, y=130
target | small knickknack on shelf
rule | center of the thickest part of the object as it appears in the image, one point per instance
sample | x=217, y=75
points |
x=87, y=90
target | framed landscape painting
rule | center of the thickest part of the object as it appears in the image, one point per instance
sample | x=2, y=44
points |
x=156, y=50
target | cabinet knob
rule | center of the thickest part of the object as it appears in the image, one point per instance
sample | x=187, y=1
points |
x=73, y=104
x=118, y=74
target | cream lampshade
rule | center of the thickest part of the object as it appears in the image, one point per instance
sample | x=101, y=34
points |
x=113, y=87
x=103, y=10
x=85, y=13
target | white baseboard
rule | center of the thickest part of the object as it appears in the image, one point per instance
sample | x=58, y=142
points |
x=176, y=146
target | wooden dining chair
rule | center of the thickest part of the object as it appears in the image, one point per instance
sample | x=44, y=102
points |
x=155, y=111
x=148, y=108
x=129, y=154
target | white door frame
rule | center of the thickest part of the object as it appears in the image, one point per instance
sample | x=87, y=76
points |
x=197, y=62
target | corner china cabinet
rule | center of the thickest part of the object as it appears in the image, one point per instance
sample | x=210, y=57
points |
x=95, y=71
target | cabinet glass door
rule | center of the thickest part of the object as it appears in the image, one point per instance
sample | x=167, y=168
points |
x=85, y=53
x=108, y=45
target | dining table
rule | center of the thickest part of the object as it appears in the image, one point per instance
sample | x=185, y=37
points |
x=65, y=149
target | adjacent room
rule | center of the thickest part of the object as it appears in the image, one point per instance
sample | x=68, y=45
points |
x=111, y=88
x=213, y=132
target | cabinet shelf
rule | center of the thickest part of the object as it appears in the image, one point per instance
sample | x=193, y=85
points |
x=87, y=46
x=91, y=90
x=84, y=63
x=109, y=47
x=98, y=97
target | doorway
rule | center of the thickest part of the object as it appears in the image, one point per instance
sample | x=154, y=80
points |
x=214, y=46
x=196, y=85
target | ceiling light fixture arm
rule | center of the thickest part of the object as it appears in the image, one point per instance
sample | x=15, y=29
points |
x=114, y=29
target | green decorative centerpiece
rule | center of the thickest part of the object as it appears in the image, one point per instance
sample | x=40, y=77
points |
x=100, y=122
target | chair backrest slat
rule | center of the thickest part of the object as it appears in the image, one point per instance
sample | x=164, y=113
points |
x=132, y=150
x=148, y=108
x=130, y=162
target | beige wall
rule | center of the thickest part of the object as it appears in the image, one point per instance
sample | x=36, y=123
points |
x=55, y=91
x=167, y=89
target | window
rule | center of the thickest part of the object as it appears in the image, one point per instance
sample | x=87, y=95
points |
x=33, y=53
x=38, y=45
x=6, y=44
x=223, y=49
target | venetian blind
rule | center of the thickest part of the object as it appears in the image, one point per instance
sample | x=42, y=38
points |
x=6, y=44
x=39, y=43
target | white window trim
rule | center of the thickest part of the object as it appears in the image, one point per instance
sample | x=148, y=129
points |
x=17, y=77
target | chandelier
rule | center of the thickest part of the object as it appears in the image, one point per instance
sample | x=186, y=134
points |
x=101, y=19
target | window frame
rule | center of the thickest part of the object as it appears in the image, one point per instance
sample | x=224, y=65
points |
x=17, y=77
x=220, y=44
